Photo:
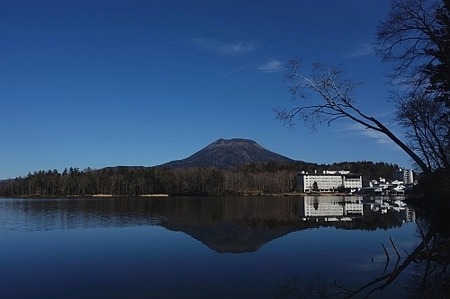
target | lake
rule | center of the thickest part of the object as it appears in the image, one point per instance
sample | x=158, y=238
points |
x=244, y=247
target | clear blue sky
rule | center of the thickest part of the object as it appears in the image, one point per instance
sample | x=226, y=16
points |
x=106, y=83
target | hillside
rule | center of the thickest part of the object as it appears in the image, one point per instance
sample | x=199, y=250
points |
x=223, y=168
x=228, y=153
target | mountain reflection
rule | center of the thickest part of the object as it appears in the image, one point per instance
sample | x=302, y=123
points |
x=235, y=224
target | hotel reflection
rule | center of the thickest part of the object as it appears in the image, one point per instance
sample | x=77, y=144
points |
x=338, y=208
x=332, y=208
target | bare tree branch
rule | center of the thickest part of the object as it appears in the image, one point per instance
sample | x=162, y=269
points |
x=334, y=103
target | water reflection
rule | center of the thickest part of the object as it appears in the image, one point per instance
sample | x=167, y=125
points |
x=357, y=212
x=234, y=225
x=76, y=239
x=333, y=207
x=430, y=276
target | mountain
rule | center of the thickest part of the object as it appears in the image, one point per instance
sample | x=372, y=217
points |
x=228, y=153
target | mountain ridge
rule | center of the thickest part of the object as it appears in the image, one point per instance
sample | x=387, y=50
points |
x=227, y=154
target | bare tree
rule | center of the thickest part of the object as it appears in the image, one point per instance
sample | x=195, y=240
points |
x=416, y=38
x=427, y=128
x=334, y=103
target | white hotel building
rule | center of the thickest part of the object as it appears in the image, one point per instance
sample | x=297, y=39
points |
x=329, y=181
x=404, y=175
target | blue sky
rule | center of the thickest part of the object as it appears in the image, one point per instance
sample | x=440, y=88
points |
x=106, y=83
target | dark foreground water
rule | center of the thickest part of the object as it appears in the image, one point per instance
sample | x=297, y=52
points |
x=265, y=247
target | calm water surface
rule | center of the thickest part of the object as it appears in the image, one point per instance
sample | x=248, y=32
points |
x=199, y=247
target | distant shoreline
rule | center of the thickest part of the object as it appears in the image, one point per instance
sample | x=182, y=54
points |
x=165, y=195
x=142, y=195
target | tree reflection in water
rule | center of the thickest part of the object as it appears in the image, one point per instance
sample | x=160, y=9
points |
x=429, y=260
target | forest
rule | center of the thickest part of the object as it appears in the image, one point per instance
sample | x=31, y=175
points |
x=269, y=178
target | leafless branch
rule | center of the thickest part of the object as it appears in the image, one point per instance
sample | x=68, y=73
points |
x=331, y=96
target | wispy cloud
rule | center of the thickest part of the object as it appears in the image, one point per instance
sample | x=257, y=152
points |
x=240, y=47
x=362, y=50
x=237, y=48
x=358, y=129
x=271, y=66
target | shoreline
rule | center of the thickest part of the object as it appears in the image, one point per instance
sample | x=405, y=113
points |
x=165, y=195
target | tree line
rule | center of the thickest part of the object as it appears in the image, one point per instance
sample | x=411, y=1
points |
x=249, y=179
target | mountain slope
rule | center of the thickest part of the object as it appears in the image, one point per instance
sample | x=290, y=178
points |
x=228, y=153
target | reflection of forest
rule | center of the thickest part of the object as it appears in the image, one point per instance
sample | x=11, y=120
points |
x=225, y=224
